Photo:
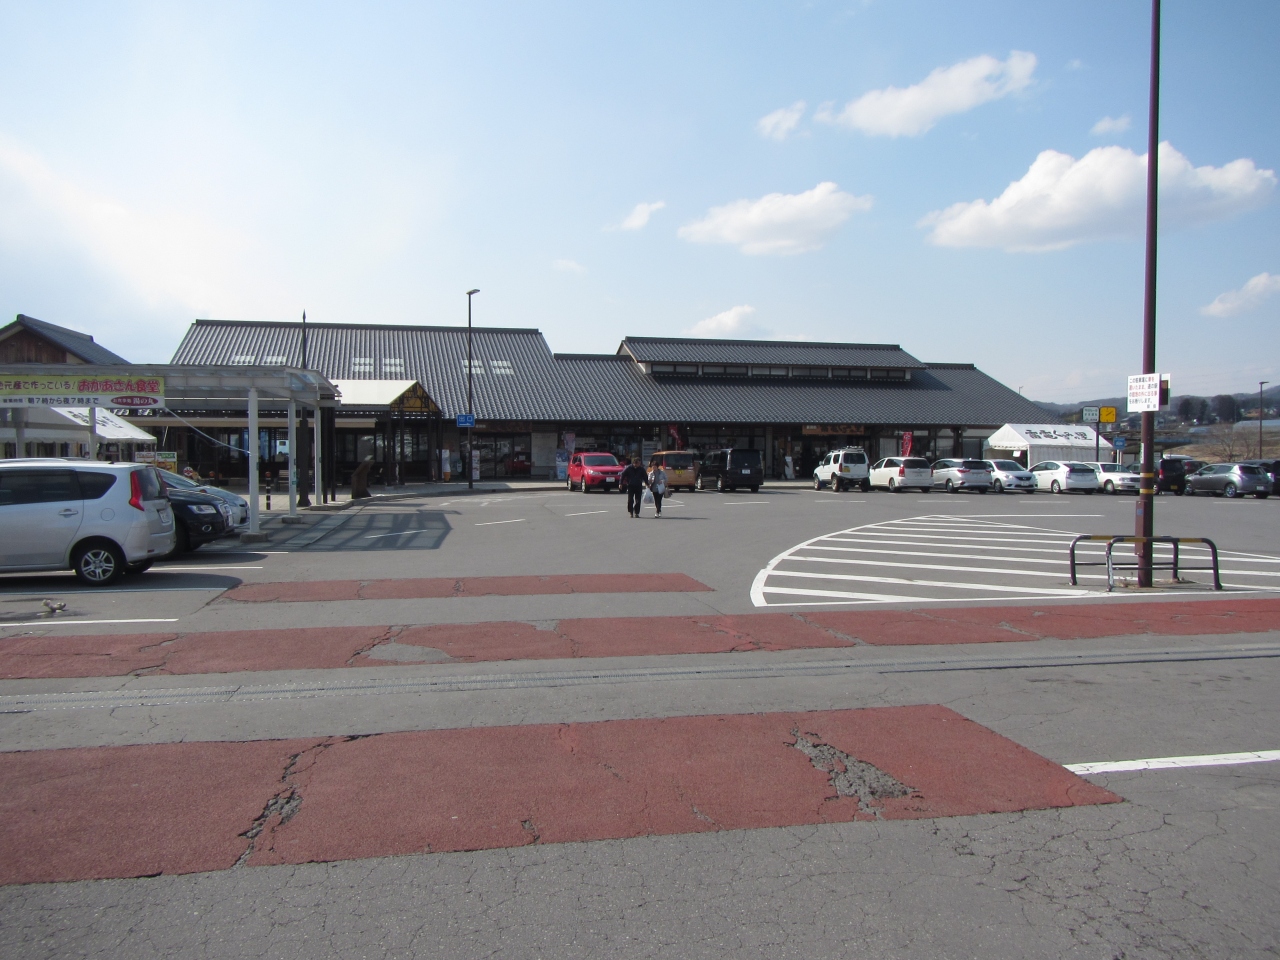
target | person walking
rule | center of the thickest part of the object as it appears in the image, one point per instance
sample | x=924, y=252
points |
x=633, y=481
x=657, y=486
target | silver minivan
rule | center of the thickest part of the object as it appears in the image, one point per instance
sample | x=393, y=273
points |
x=101, y=520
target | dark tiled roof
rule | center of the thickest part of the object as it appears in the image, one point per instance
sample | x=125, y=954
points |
x=791, y=353
x=78, y=344
x=603, y=388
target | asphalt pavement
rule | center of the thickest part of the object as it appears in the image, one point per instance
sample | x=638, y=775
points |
x=523, y=723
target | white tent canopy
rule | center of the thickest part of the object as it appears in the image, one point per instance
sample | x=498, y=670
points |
x=57, y=424
x=1047, y=441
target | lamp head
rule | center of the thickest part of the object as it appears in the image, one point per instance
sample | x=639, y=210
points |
x=470, y=292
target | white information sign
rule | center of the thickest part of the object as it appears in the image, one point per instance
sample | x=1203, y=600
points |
x=1144, y=393
x=1090, y=415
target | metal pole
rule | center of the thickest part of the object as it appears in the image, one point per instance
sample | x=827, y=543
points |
x=471, y=483
x=293, y=458
x=315, y=445
x=20, y=431
x=253, y=460
x=1144, y=521
x=1261, y=384
x=93, y=433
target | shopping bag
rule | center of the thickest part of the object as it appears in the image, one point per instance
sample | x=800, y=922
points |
x=647, y=499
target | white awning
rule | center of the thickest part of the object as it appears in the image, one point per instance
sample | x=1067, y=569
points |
x=1024, y=436
x=52, y=424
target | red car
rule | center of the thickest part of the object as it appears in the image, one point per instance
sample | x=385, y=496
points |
x=594, y=471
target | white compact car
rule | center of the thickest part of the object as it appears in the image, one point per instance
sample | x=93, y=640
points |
x=843, y=469
x=101, y=520
x=1065, y=477
x=1010, y=475
x=899, y=473
x=1116, y=477
x=956, y=475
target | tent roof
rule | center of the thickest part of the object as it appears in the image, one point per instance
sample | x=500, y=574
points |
x=66, y=423
x=1020, y=436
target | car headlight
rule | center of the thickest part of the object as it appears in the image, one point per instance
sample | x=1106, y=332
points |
x=203, y=508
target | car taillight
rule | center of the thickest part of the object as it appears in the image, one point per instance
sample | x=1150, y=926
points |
x=135, y=492
x=962, y=469
x=902, y=471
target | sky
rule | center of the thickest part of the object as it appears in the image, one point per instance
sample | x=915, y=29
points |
x=966, y=179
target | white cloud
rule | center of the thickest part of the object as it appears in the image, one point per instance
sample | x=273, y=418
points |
x=638, y=218
x=732, y=323
x=568, y=266
x=1061, y=201
x=779, y=124
x=1111, y=125
x=778, y=223
x=1076, y=64
x=1249, y=297
x=911, y=111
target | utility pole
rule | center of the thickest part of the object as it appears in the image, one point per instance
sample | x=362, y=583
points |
x=1261, y=384
x=298, y=458
x=471, y=482
x=1145, y=519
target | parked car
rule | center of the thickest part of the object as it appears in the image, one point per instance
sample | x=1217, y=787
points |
x=843, y=469
x=899, y=473
x=731, y=468
x=1116, y=477
x=1010, y=475
x=238, y=504
x=200, y=519
x=1171, y=474
x=101, y=520
x=956, y=475
x=1230, y=480
x=594, y=471
x=680, y=467
x=1271, y=468
x=1065, y=477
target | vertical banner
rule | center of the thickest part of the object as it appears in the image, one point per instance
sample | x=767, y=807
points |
x=908, y=441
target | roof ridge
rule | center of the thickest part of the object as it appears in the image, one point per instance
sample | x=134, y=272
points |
x=313, y=324
x=788, y=343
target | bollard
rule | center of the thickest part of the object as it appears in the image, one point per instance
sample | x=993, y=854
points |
x=270, y=484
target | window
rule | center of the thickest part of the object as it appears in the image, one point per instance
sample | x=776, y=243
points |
x=734, y=370
x=392, y=365
x=768, y=371
x=362, y=364
x=37, y=486
x=686, y=368
x=600, y=460
x=93, y=486
x=712, y=369
x=502, y=367
x=244, y=358
x=477, y=366
x=275, y=359
x=663, y=368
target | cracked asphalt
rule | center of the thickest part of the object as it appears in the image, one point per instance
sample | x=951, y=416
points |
x=1187, y=865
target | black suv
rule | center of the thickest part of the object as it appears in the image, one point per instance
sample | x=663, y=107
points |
x=1171, y=474
x=730, y=469
x=200, y=518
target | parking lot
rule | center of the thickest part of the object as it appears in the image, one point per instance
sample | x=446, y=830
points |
x=783, y=723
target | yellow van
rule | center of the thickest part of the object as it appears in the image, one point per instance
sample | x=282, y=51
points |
x=679, y=465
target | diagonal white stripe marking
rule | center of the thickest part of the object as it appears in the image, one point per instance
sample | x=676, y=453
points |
x=923, y=566
x=946, y=584
x=490, y=523
x=1171, y=763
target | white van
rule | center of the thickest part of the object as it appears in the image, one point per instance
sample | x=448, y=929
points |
x=843, y=469
x=101, y=520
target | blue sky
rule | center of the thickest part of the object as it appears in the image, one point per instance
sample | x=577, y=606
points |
x=961, y=178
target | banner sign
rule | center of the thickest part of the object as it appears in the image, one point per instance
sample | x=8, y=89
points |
x=66, y=391
x=1089, y=415
x=908, y=441
x=1144, y=393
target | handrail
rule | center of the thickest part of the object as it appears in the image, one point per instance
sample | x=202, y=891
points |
x=1174, y=565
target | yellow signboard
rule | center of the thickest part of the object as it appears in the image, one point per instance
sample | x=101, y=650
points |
x=64, y=390
x=1106, y=414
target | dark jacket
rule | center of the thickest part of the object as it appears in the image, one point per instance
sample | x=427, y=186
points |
x=633, y=475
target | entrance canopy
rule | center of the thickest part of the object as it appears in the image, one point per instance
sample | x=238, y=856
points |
x=59, y=424
x=1047, y=441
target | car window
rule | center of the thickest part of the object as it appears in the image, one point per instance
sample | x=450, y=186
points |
x=93, y=486
x=1009, y=465
x=600, y=460
x=857, y=457
x=745, y=458
x=974, y=465
x=916, y=462
x=176, y=480
x=1249, y=470
x=678, y=461
x=149, y=482
x=37, y=486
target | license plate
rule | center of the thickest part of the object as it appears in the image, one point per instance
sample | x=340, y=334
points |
x=608, y=479
x=746, y=471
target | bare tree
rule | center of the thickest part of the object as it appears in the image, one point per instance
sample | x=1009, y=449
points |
x=1225, y=443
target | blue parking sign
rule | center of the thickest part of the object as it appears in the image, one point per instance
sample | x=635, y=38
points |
x=466, y=419
x=1118, y=443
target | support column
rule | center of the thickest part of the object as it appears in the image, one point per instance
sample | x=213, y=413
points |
x=93, y=433
x=293, y=458
x=254, y=533
x=20, y=431
x=316, y=433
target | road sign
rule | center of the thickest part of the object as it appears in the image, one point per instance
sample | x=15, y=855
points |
x=1144, y=393
x=1106, y=414
x=1089, y=415
x=1119, y=443
x=466, y=419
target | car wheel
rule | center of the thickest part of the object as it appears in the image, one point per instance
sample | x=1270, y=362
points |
x=584, y=485
x=568, y=485
x=997, y=486
x=1055, y=487
x=817, y=484
x=755, y=488
x=926, y=489
x=142, y=566
x=98, y=563
x=720, y=485
x=1260, y=496
x=982, y=489
x=893, y=485
x=866, y=486
x=1091, y=492
x=1109, y=488
x=1179, y=491
x=1230, y=491
x=951, y=487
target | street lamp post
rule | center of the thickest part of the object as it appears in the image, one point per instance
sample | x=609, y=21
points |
x=298, y=461
x=471, y=482
x=1261, y=384
x=1144, y=521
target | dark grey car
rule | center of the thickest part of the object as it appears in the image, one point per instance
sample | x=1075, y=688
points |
x=1230, y=480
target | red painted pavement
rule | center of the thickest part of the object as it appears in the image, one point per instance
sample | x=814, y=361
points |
x=439, y=587
x=179, y=808
x=335, y=647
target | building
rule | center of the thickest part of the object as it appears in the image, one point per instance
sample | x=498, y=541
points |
x=787, y=399
x=28, y=340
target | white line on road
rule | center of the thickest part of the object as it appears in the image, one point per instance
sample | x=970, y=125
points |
x=180, y=566
x=1170, y=763
x=741, y=503
x=56, y=623
x=585, y=513
x=400, y=533
x=490, y=523
x=946, y=584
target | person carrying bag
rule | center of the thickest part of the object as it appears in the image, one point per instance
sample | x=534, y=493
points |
x=633, y=481
x=657, y=487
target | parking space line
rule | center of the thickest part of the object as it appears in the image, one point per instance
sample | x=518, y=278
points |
x=400, y=533
x=1173, y=763
x=945, y=584
x=226, y=567
x=490, y=523
x=585, y=513
x=921, y=566
x=70, y=623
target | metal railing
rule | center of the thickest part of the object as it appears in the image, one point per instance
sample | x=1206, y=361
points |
x=1172, y=564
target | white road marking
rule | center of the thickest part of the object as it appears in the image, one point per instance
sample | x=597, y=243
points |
x=401, y=533
x=178, y=566
x=490, y=523
x=947, y=584
x=60, y=622
x=928, y=566
x=1171, y=763
x=585, y=513
x=740, y=503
